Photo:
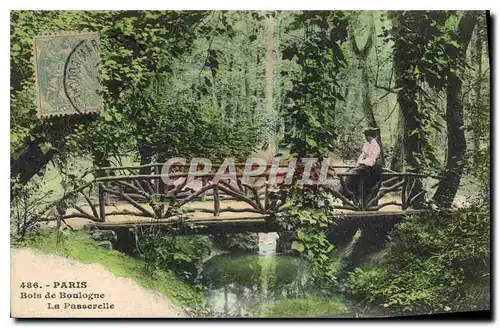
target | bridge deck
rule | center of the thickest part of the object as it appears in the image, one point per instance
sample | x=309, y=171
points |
x=196, y=217
x=228, y=225
x=226, y=222
x=261, y=218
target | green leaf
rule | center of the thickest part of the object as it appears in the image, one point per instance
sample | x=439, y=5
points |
x=311, y=142
x=298, y=246
x=46, y=147
x=455, y=44
x=107, y=117
x=301, y=234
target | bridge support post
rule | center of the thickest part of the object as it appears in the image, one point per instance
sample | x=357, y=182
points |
x=284, y=242
x=216, y=201
x=203, y=185
x=102, y=202
x=159, y=185
x=362, y=194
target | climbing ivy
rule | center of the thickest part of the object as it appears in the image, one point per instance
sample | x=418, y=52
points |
x=425, y=52
x=311, y=101
x=311, y=215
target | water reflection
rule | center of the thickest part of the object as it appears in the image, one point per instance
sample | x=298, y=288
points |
x=243, y=284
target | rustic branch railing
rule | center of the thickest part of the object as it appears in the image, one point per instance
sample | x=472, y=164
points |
x=175, y=198
x=390, y=182
x=165, y=200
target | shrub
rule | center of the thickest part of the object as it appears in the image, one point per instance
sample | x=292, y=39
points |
x=433, y=264
x=28, y=207
x=311, y=214
x=181, y=254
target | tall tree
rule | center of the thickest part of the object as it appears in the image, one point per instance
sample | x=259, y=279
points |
x=477, y=59
x=406, y=82
x=315, y=88
x=135, y=45
x=424, y=53
x=361, y=55
x=270, y=23
x=457, y=146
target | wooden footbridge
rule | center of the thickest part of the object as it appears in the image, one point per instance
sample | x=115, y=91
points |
x=120, y=198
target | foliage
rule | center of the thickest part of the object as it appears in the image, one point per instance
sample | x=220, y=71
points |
x=180, y=254
x=480, y=167
x=478, y=110
x=311, y=214
x=349, y=144
x=432, y=264
x=25, y=127
x=155, y=87
x=136, y=48
x=312, y=99
x=426, y=50
x=28, y=207
x=82, y=249
x=175, y=130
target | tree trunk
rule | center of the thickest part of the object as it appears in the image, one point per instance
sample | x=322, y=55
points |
x=455, y=158
x=100, y=160
x=406, y=97
x=30, y=162
x=477, y=53
x=146, y=155
x=397, y=153
x=457, y=147
x=362, y=56
x=412, y=143
x=33, y=159
x=366, y=95
x=270, y=70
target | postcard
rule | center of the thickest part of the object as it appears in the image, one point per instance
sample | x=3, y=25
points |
x=250, y=164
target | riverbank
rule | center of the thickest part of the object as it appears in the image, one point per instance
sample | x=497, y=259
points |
x=260, y=285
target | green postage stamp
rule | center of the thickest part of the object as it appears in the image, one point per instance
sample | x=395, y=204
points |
x=67, y=74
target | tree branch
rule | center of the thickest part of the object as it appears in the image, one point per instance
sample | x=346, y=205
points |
x=131, y=201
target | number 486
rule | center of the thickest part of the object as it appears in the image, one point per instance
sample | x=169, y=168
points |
x=29, y=285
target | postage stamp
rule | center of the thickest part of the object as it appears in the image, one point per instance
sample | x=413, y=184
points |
x=67, y=74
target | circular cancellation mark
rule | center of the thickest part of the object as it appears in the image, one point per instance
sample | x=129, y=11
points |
x=81, y=76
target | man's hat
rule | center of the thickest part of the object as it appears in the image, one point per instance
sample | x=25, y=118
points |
x=373, y=132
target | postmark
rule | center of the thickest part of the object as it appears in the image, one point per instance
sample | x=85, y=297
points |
x=67, y=74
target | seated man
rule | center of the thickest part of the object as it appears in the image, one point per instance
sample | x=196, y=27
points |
x=368, y=170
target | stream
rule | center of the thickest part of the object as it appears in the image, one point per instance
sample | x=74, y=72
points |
x=267, y=284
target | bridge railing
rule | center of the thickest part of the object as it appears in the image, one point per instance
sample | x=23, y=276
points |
x=166, y=199
x=407, y=184
x=144, y=189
